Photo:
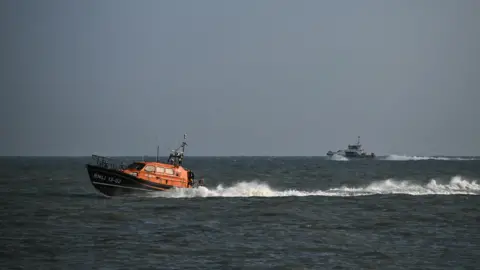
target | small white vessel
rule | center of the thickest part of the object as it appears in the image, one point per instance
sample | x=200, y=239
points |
x=352, y=151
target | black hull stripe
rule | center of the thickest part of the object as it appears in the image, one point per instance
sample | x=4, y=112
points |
x=123, y=187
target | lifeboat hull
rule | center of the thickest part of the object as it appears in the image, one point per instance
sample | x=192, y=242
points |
x=111, y=182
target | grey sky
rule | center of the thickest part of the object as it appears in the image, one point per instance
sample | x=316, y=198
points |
x=240, y=77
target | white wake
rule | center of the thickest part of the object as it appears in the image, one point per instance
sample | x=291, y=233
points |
x=405, y=158
x=457, y=185
x=338, y=158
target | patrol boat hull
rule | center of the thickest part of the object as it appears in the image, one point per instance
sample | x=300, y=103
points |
x=351, y=156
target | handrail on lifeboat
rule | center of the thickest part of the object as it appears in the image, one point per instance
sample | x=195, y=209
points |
x=175, y=158
x=106, y=162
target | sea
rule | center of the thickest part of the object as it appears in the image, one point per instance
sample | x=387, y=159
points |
x=394, y=212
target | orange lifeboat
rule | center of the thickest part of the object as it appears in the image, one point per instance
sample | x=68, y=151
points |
x=141, y=176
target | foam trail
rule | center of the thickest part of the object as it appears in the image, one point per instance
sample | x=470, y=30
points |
x=405, y=158
x=457, y=185
x=338, y=158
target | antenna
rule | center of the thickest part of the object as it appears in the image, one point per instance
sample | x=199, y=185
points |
x=184, y=143
x=158, y=148
x=358, y=140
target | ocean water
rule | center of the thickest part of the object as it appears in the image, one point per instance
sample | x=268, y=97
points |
x=254, y=213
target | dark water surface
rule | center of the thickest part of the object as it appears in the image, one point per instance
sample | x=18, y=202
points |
x=255, y=213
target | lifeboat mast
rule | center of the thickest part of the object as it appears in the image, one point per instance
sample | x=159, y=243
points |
x=176, y=157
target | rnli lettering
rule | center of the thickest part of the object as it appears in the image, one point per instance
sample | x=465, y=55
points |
x=109, y=179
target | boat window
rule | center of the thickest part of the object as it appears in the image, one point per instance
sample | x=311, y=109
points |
x=169, y=171
x=149, y=168
x=136, y=166
x=160, y=170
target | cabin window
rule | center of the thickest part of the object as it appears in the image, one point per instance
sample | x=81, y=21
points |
x=169, y=171
x=136, y=166
x=149, y=168
x=160, y=170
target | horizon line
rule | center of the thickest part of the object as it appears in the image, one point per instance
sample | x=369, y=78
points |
x=153, y=156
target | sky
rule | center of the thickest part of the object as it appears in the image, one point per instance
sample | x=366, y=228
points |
x=271, y=77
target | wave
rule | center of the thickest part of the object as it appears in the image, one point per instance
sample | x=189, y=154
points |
x=457, y=185
x=406, y=158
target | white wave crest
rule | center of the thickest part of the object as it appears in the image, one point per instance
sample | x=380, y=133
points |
x=405, y=158
x=457, y=185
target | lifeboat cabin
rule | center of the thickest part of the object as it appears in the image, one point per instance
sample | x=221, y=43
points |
x=164, y=175
x=161, y=173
